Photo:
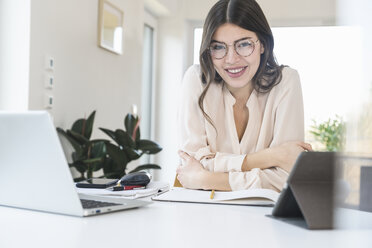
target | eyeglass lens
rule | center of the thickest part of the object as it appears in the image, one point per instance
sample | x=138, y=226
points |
x=243, y=48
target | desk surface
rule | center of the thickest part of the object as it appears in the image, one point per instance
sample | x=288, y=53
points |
x=178, y=225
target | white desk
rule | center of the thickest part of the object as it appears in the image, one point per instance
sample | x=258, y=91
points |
x=174, y=225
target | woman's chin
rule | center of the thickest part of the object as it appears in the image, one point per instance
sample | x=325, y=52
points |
x=237, y=84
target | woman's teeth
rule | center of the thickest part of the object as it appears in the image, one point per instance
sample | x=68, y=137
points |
x=235, y=70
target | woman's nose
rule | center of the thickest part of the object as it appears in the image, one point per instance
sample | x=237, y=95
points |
x=232, y=56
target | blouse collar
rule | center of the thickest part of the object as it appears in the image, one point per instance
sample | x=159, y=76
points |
x=231, y=99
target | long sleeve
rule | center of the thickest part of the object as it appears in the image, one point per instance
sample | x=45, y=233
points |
x=193, y=127
x=193, y=139
x=289, y=117
x=288, y=126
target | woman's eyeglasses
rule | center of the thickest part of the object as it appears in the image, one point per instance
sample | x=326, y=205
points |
x=244, y=47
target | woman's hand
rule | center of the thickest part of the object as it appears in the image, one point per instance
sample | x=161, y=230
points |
x=192, y=174
x=286, y=154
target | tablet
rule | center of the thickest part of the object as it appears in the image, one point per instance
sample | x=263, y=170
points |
x=308, y=193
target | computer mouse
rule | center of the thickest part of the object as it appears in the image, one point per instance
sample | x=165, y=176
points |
x=140, y=179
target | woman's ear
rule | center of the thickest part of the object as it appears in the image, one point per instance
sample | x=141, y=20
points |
x=262, y=48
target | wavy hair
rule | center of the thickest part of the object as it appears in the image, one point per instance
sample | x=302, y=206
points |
x=248, y=15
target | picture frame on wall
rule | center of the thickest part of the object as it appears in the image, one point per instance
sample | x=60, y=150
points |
x=110, y=27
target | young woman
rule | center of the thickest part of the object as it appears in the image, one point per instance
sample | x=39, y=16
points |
x=241, y=114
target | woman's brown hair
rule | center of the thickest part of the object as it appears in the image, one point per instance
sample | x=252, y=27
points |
x=248, y=15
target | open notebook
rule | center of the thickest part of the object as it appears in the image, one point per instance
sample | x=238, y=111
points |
x=254, y=197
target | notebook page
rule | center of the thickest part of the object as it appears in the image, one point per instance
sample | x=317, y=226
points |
x=202, y=196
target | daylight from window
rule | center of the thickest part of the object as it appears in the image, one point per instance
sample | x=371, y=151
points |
x=198, y=32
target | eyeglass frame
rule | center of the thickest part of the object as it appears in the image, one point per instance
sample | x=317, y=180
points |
x=234, y=44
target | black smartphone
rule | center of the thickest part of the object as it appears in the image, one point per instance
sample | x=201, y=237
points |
x=97, y=183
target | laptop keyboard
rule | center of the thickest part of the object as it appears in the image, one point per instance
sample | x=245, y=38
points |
x=88, y=204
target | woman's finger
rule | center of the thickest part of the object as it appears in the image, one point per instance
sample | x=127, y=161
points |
x=184, y=155
x=306, y=146
x=309, y=147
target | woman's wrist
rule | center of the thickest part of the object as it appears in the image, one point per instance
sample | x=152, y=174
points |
x=262, y=160
x=216, y=180
x=206, y=179
x=283, y=156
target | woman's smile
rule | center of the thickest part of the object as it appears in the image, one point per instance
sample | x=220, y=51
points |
x=236, y=71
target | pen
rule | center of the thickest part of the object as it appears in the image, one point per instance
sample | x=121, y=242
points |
x=212, y=194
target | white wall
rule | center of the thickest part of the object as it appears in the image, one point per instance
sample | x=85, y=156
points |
x=14, y=54
x=87, y=77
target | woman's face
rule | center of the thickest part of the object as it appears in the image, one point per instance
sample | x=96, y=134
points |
x=236, y=70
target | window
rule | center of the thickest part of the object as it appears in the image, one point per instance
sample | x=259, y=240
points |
x=14, y=54
x=198, y=32
x=147, y=102
x=329, y=61
x=147, y=80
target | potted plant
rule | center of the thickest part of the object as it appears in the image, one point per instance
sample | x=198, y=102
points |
x=330, y=133
x=92, y=155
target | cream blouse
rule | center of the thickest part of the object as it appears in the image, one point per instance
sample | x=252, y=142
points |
x=274, y=118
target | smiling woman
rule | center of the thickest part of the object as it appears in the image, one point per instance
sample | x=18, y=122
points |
x=241, y=114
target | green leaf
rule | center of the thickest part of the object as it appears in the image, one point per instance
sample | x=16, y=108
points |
x=78, y=125
x=97, y=166
x=99, y=141
x=80, y=167
x=94, y=164
x=117, y=155
x=89, y=125
x=130, y=123
x=77, y=147
x=92, y=160
x=331, y=133
x=111, y=170
x=315, y=133
x=133, y=154
x=78, y=137
x=98, y=149
x=84, y=127
x=110, y=133
x=76, y=157
x=148, y=146
x=123, y=139
x=138, y=134
x=146, y=167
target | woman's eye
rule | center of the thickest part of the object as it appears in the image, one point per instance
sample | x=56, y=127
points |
x=217, y=47
x=245, y=44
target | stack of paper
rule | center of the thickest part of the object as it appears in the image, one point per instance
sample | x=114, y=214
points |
x=261, y=197
x=152, y=188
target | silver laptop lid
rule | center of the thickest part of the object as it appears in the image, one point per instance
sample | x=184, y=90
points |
x=34, y=173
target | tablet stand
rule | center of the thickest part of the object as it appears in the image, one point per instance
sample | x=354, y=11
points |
x=309, y=191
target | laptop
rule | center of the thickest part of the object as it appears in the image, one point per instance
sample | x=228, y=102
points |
x=34, y=173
